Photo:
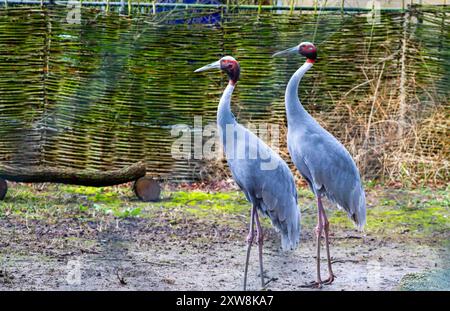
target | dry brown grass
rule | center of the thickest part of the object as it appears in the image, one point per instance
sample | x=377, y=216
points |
x=410, y=151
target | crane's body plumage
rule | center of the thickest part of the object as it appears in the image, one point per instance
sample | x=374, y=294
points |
x=260, y=172
x=321, y=159
x=264, y=177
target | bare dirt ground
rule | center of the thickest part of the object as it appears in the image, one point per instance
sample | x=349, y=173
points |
x=171, y=252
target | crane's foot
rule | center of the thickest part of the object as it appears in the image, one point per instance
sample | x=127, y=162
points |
x=318, y=285
x=268, y=278
x=330, y=280
x=313, y=284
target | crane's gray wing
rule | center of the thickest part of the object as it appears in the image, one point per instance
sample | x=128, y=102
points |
x=239, y=183
x=277, y=189
x=269, y=184
x=334, y=173
x=278, y=200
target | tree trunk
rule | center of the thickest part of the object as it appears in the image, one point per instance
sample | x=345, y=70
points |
x=92, y=178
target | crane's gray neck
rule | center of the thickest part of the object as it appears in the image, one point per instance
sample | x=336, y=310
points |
x=294, y=109
x=224, y=114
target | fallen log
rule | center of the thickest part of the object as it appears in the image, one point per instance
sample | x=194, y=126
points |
x=87, y=177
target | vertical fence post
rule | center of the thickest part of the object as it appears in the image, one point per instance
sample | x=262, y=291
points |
x=291, y=6
x=402, y=95
x=41, y=125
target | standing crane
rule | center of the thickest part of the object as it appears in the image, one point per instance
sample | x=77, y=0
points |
x=262, y=175
x=322, y=160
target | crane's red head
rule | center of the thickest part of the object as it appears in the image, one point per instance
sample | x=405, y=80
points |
x=308, y=50
x=231, y=67
x=227, y=64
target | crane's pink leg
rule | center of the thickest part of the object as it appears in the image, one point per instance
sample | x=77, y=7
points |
x=260, y=238
x=318, y=231
x=326, y=228
x=250, y=237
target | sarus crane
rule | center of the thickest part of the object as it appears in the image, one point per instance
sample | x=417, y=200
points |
x=322, y=160
x=262, y=175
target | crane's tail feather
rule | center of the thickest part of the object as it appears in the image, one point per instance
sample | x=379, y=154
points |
x=358, y=214
x=289, y=229
x=290, y=241
x=356, y=208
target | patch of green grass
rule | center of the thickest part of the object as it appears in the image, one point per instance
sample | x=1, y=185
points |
x=370, y=184
x=215, y=202
x=98, y=195
x=420, y=213
x=305, y=193
x=64, y=201
x=417, y=216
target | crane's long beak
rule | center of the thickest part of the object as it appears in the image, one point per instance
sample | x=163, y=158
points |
x=215, y=65
x=287, y=51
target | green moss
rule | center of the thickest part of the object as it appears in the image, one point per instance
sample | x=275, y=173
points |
x=214, y=202
x=419, y=214
x=305, y=193
x=417, y=217
x=81, y=190
x=430, y=280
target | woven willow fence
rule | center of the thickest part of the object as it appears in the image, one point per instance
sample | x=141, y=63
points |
x=105, y=92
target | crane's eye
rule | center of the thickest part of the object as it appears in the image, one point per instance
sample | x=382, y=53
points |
x=228, y=65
